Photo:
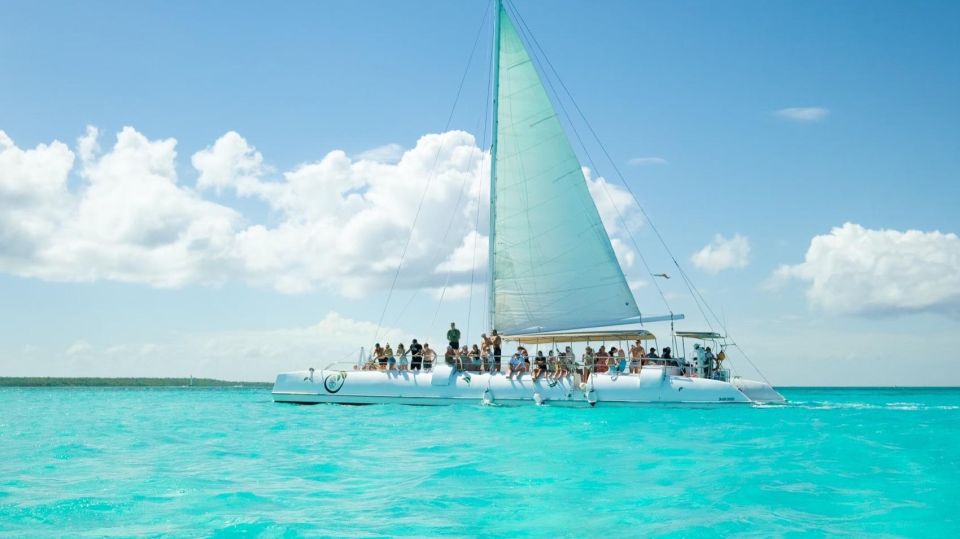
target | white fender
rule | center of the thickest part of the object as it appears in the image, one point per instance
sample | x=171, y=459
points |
x=487, y=398
x=591, y=397
x=538, y=398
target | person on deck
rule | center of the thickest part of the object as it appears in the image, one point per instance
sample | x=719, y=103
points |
x=416, y=355
x=720, y=357
x=701, y=357
x=463, y=358
x=496, y=342
x=486, y=349
x=402, y=359
x=539, y=365
x=450, y=356
x=516, y=365
x=429, y=356
x=453, y=335
x=391, y=359
x=588, y=359
x=475, y=363
x=600, y=365
x=667, y=354
x=566, y=364
x=710, y=362
x=553, y=366
x=379, y=357
x=653, y=353
x=612, y=360
x=636, y=357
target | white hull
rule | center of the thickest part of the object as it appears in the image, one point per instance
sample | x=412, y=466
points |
x=444, y=386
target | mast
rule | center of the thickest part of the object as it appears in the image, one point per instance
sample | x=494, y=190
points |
x=497, y=7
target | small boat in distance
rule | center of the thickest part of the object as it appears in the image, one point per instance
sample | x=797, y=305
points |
x=553, y=282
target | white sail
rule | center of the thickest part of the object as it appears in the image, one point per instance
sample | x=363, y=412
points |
x=552, y=263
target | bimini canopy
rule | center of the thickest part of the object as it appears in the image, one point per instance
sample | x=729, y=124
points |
x=582, y=336
x=703, y=335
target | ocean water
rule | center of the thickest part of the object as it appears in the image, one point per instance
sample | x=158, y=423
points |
x=230, y=462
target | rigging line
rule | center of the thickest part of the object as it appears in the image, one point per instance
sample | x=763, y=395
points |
x=433, y=171
x=613, y=164
x=526, y=30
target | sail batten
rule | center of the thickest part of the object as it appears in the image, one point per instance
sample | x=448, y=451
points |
x=552, y=263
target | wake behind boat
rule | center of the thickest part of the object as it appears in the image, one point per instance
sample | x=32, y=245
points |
x=555, y=283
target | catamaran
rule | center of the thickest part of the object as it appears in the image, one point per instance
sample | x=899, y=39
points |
x=553, y=282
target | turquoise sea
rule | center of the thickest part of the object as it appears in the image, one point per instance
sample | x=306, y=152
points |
x=230, y=462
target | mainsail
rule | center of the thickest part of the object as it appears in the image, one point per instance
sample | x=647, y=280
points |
x=552, y=264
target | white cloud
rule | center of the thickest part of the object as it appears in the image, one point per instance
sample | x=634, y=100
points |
x=89, y=144
x=615, y=204
x=344, y=223
x=803, y=114
x=33, y=199
x=723, y=253
x=388, y=153
x=643, y=161
x=625, y=255
x=472, y=253
x=857, y=270
x=338, y=224
x=121, y=213
x=230, y=162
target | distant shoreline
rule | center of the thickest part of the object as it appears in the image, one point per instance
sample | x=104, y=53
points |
x=42, y=381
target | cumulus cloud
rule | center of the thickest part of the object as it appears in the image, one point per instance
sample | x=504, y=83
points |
x=231, y=161
x=644, y=161
x=803, y=114
x=618, y=210
x=337, y=223
x=388, y=153
x=856, y=270
x=129, y=220
x=723, y=253
x=120, y=212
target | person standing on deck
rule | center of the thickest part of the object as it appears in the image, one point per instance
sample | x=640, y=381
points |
x=454, y=336
x=391, y=359
x=701, y=360
x=497, y=342
x=402, y=359
x=416, y=356
x=637, y=354
x=709, y=363
x=379, y=358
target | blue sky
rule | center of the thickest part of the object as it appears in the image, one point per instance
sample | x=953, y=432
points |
x=697, y=85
